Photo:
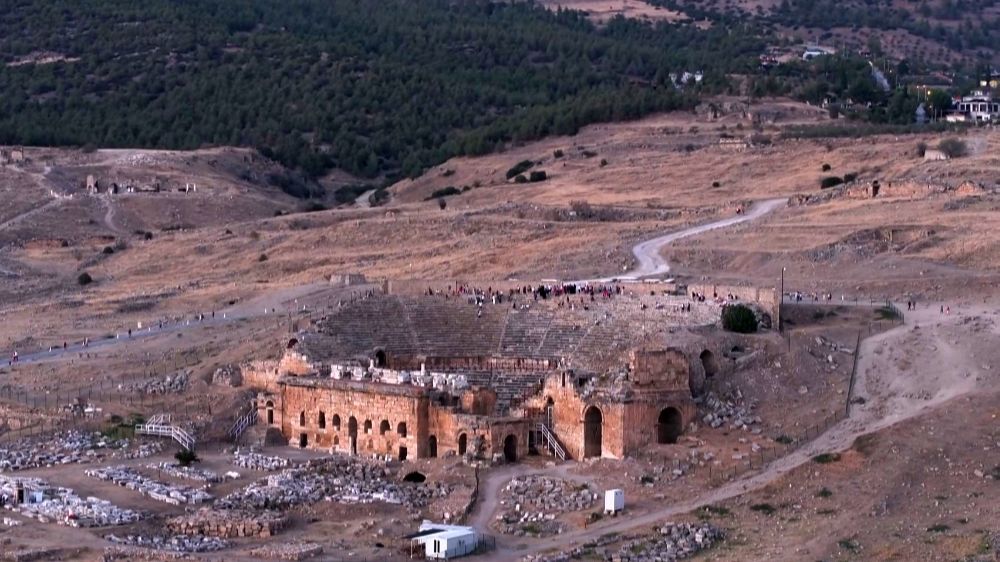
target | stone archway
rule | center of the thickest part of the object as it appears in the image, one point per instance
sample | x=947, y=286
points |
x=463, y=443
x=270, y=412
x=432, y=446
x=550, y=408
x=593, y=432
x=383, y=427
x=352, y=434
x=303, y=440
x=380, y=358
x=708, y=362
x=669, y=425
x=510, y=448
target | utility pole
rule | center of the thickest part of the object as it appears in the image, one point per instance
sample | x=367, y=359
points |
x=781, y=298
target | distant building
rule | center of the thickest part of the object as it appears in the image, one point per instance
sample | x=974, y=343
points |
x=978, y=107
x=814, y=51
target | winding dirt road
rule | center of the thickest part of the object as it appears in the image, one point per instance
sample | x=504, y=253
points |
x=648, y=255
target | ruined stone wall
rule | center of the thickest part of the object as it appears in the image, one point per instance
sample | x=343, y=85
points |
x=662, y=368
x=765, y=297
x=627, y=427
x=500, y=430
x=261, y=375
x=641, y=418
x=369, y=404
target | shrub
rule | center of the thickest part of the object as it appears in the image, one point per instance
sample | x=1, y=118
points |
x=442, y=204
x=765, y=508
x=108, y=250
x=536, y=176
x=448, y=173
x=826, y=458
x=262, y=258
x=826, y=167
x=830, y=181
x=953, y=148
x=921, y=149
x=824, y=493
x=589, y=153
x=185, y=457
x=520, y=179
x=739, y=318
x=84, y=279
x=939, y=528
x=604, y=162
x=444, y=192
x=715, y=184
x=850, y=177
x=519, y=168
x=558, y=153
x=254, y=235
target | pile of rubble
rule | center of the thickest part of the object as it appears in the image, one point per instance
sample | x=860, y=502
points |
x=186, y=472
x=61, y=505
x=732, y=412
x=533, y=504
x=169, y=384
x=141, y=451
x=227, y=524
x=169, y=493
x=175, y=543
x=672, y=541
x=256, y=461
x=63, y=448
x=338, y=479
x=228, y=375
x=288, y=551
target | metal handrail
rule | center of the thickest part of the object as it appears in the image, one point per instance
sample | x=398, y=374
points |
x=550, y=438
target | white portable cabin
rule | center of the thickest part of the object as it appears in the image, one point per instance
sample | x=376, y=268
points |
x=614, y=501
x=444, y=542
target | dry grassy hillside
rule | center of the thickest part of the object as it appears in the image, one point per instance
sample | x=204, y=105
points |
x=658, y=176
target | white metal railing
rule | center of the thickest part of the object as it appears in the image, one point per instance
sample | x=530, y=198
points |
x=242, y=423
x=178, y=434
x=553, y=443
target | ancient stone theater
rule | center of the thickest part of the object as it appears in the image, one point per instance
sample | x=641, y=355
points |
x=495, y=375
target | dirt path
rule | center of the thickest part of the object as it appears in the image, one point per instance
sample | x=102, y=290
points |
x=902, y=373
x=495, y=479
x=109, y=214
x=648, y=255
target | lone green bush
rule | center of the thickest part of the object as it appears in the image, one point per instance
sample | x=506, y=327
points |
x=519, y=168
x=953, y=148
x=185, y=457
x=830, y=181
x=538, y=175
x=739, y=318
x=84, y=279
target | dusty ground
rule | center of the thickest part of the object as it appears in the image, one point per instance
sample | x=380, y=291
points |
x=930, y=402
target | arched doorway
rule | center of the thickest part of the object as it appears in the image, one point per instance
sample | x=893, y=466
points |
x=352, y=433
x=270, y=412
x=432, y=446
x=380, y=360
x=669, y=425
x=303, y=440
x=463, y=443
x=510, y=448
x=593, y=432
x=402, y=453
x=550, y=406
x=336, y=422
x=368, y=427
x=383, y=427
x=322, y=420
x=708, y=362
x=302, y=419
x=401, y=429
